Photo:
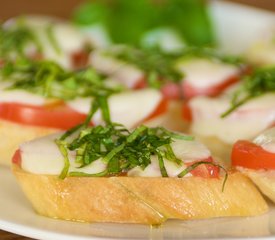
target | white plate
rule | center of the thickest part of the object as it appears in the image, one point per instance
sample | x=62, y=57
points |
x=17, y=216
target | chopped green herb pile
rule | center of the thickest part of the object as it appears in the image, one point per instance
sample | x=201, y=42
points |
x=13, y=41
x=261, y=81
x=119, y=148
x=52, y=81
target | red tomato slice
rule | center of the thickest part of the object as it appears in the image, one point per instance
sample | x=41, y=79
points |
x=16, y=159
x=59, y=116
x=205, y=170
x=172, y=91
x=161, y=109
x=79, y=59
x=189, y=91
x=186, y=112
x=169, y=90
x=250, y=155
x=140, y=84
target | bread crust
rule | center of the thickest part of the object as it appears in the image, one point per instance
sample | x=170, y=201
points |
x=264, y=180
x=13, y=134
x=138, y=199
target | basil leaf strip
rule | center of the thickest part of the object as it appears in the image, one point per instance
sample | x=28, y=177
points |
x=261, y=81
x=196, y=164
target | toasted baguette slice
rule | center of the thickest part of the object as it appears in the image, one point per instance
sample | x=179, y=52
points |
x=264, y=180
x=12, y=134
x=140, y=199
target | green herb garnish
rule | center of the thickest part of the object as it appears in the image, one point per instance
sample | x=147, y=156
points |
x=52, y=81
x=122, y=150
x=51, y=37
x=261, y=81
x=13, y=41
x=210, y=53
x=196, y=164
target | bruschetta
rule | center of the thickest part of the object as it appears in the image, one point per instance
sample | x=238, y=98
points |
x=146, y=176
x=256, y=159
x=43, y=37
x=242, y=112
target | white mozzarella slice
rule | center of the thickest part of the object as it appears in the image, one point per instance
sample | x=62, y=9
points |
x=128, y=108
x=22, y=97
x=204, y=73
x=266, y=140
x=42, y=156
x=187, y=151
x=81, y=105
x=95, y=167
x=244, y=123
x=98, y=35
x=126, y=74
x=166, y=38
x=190, y=150
x=153, y=169
x=131, y=108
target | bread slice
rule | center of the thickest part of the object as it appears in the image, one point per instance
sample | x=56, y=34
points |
x=140, y=199
x=12, y=134
x=264, y=180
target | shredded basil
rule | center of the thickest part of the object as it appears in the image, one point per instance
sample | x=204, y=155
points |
x=51, y=37
x=196, y=164
x=210, y=53
x=122, y=150
x=261, y=81
x=50, y=80
x=13, y=41
x=62, y=147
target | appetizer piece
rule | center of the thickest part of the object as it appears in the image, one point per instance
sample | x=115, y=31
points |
x=37, y=98
x=111, y=174
x=185, y=74
x=257, y=160
x=44, y=37
x=241, y=113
